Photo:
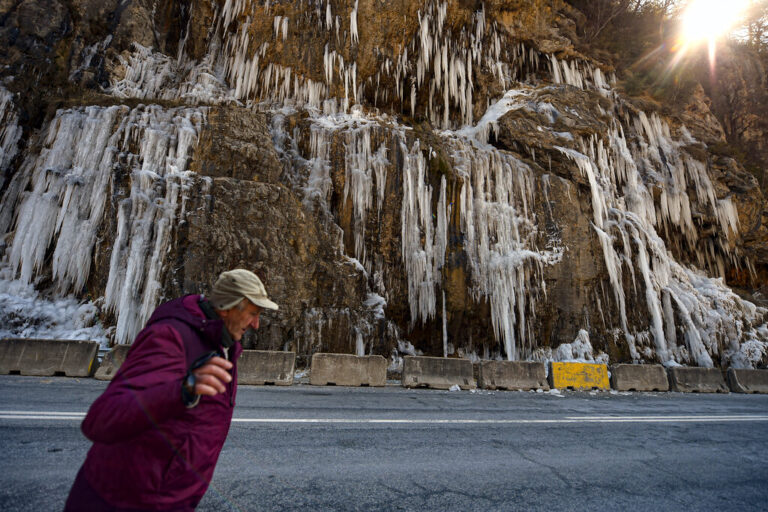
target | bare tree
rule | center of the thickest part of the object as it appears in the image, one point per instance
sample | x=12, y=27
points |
x=600, y=14
x=756, y=24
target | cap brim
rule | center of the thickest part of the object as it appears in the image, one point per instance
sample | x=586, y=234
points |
x=264, y=303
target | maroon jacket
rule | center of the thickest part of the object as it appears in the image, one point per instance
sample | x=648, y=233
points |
x=149, y=451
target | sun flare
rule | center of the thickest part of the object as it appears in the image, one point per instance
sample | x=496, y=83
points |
x=707, y=20
x=704, y=22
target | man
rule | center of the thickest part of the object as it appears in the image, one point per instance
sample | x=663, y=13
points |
x=158, y=428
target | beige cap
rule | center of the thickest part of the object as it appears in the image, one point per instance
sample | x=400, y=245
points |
x=234, y=285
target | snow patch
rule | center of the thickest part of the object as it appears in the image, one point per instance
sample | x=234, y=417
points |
x=25, y=314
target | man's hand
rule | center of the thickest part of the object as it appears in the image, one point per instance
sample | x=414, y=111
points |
x=212, y=378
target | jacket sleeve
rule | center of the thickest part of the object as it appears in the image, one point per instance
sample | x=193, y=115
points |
x=145, y=392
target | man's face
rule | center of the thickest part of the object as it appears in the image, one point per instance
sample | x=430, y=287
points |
x=238, y=319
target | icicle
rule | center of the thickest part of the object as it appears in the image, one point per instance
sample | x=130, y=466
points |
x=353, y=24
x=587, y=169
x=70, y=184
x=416, y=224
x=494, y=205
x=10, y=131
x=445, y=329
x=359, y=344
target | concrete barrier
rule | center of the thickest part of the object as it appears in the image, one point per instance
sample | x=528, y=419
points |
x=263, y=367
x=112, y=362
x=437, y=373
x=48, y=357
x=347, y=370
x=512, y=375
x=696, y=380
x=578, y=376
x=748, y=381
x=639, y=377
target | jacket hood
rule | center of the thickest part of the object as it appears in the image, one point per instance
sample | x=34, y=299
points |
x=186, y=309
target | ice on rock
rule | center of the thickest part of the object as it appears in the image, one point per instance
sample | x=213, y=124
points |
x=445, y=330
x=578, y=350
x=500, y=229
x=512, y=100
x=365, y=167
x=361, y=166
x=691, y=318
x=25, y=314
x=153, y=75
x=318, y=323
x=10, y=134
x=703, y=309
x=87, y=54
x=406, y=347
x=280, y=25
x=377, y=303
x=435, y=63
x=353, y=24
x=10, y=131
x=67, y=196
x=418, y=234
x=359, y=344
x=70, y=181
x=578, y=73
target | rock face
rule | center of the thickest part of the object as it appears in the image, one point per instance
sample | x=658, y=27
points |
x=740, y=100
x=407, y=177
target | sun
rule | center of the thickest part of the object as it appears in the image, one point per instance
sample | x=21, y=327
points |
x=704, y=22
x=708, y=20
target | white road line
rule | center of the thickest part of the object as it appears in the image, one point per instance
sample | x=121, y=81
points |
x=432, y=421
x=77, y=416
x=673, y=416
x=40, y=417
x=49, y=413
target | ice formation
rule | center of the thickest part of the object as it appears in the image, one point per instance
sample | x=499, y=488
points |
x=154, y=75
x=707, y=313
x=317, y=323
x=10, y=131
x=70, y=183
x=362, y=168
x=496, y=204
x=422, y=257
x=24, y=313
x=579, y=350
x=500, y=228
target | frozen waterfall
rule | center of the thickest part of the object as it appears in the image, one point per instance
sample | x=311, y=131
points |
x=87, y=154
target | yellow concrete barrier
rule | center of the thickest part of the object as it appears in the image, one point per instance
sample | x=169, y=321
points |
x=578, y=376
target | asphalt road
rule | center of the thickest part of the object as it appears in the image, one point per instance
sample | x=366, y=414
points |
x=333, y=448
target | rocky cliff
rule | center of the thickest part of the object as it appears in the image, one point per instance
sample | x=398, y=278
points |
x=446, y=178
